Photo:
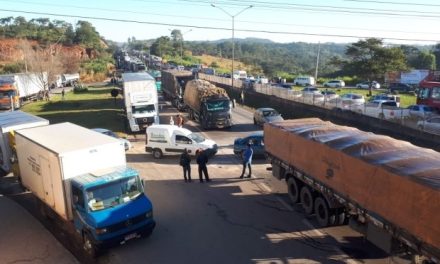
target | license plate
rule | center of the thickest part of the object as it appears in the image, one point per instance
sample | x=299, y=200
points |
x=130, y=236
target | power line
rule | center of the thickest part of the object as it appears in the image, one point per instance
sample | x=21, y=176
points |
x=206, y=27
x=392, y=3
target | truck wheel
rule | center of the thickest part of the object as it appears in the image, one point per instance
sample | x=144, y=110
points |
x=306, y=200
x=88, y=245
x=157, y=153
x=324, y=215
x=341, y=217
x=293, y=190
x=381, y=116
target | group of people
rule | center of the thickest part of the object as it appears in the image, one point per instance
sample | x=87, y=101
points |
x=179, y=120
x=202, y=161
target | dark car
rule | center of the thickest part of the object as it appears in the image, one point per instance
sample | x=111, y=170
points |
x=400, y=87
x=256, y=140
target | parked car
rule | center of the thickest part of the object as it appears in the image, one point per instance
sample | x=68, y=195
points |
x=349, y=101
x=366, y=85
x=400, y=87
x=420, y=111
x=266, y=115
x=127, y=144
x=329, y=95
x=310, y=90
x=431, y=125
x=386, y=97
x=334, y=83
x=255, y=139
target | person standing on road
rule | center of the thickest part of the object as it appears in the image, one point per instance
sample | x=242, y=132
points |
x=202, y=160
x=62, y=94
x=185, y=162
x=247, y=160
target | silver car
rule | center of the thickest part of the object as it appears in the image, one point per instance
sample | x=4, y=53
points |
x=127, y=144
x=430, y=125
x=266, y=115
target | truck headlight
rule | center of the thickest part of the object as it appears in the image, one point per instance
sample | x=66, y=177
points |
x=101, y=231
x=149, y=214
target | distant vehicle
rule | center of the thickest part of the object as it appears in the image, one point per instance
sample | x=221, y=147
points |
x=69, y=79
x=334, y=84
x=304, y=81
x=255, y=139
x=242, y=75
x=284, y=85
x=349, y=101
x=329, y=95
x=180, y=67
x=366, y=85
x=400, y=87
x=386, y=97
x=20, y=87
x=430, y=125
x=312, y=94
x=171, y=139
x=383, y=110
x=420, y=111
x=127, y=144
x=266, y=115
x=310, y=90
x=429, y=90
x=262, y=80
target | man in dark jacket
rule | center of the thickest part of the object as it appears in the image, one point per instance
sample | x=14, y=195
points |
x=247, y=161
x=202, y=159
x=185, y=162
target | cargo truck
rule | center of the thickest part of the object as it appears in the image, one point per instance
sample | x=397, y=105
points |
x=386, y=189
x=10, y=121
x=140, y=100
x=81, y=177
x=19, y=87
x=173, y=86
x=429, y=90
x=208, y=104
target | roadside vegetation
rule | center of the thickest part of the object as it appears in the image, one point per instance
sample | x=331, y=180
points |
x=95, y=108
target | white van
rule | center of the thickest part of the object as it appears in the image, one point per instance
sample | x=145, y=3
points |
x=304, y=81
x=171, y=139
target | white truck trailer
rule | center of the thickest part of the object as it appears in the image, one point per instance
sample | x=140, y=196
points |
x=12, y=121
x=81, y=176
x=141, y=101
x=20, y=87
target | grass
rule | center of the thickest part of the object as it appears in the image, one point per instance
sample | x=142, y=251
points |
x=92, y=109
x=405, y=99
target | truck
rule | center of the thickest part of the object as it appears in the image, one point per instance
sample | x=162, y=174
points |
x=239, y=75
x=140, y=100
x=376, y=184
x=11, y=121
x=81, y=178
x=382, y=109
x=173, y=86
x=208, y=104
x=19, y=87
x=429, y=90
x=69, y=79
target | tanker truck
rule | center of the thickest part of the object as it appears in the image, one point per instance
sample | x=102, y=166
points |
x=386, y=189
x=208, y=104
x=173, y=86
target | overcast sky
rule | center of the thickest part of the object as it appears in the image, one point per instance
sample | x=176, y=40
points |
x=408, y=22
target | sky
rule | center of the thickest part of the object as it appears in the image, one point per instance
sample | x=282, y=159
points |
x=338, y=21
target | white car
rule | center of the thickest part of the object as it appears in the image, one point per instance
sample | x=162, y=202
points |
x=420, y=111
x=312, y=94
x=334, y=84
x=350, y=101
x=127, y=144
x=329, y=96
x=430, y=125
x=366, y=85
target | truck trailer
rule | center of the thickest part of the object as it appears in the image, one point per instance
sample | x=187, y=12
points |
x=11, y=121
x=81, y=177
x=386, y=189
x=208, y=104
x=19, y=87
x=173, y=86
x=140, y=100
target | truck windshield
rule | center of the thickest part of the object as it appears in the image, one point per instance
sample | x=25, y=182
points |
x=196, y=137
x=217, y=105
x=113, y=194
x=142, y=109
x=7, y=94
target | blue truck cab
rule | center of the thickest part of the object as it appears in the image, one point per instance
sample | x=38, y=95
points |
x=110, y=209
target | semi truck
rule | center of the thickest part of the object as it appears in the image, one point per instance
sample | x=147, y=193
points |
x=81, y=177
x=384, y=188
x=173, y=86
x=208, y=104
x=11, y=121
x=140, y=100
x=429, y=90
x=19, y=87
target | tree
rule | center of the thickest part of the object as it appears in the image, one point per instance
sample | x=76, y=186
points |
x=162, y=46
x=437, y=55
x=423, y=60
x=86, y=35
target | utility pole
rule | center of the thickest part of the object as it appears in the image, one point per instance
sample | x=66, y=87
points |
x=317, y=62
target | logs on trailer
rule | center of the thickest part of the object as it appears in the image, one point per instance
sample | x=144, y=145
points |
x=197, y=91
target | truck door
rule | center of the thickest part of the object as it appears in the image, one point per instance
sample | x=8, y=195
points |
x=47, y=181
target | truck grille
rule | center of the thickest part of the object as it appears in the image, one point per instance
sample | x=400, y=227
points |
x=144, y=120
x=122, y=225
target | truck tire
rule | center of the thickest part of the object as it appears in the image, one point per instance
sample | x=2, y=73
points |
x=89, y=246
x=157, y=153
x=324, y=215
x=381, y=116
x=341, y=216
x=306, y=200
x=293, y=190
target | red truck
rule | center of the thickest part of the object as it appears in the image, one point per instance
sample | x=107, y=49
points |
x=429, y=90
x=386, y=189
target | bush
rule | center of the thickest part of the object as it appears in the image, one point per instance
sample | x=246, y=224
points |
x=79, y=88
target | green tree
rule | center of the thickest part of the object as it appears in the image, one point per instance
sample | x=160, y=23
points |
x=162, y=47
x=86, y=35
x=436, y=52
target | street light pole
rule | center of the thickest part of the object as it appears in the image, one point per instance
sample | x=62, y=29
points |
x=233, y=35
